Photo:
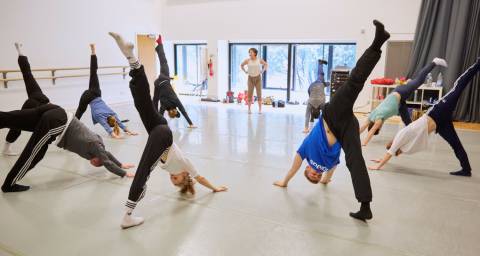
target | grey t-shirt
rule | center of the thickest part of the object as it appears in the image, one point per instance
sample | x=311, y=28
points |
x=316, y=93
x=87, y=144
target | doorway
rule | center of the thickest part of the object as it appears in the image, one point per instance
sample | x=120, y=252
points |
x=148, y=57
x=397, y=58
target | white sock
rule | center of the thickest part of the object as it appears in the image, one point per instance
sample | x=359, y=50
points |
x=131, y=221
x=440, y=62
x=7, y=150
x=18, y=46
x=127, y=50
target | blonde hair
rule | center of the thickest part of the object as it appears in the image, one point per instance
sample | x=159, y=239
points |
x=112, y=121
x=187, y=186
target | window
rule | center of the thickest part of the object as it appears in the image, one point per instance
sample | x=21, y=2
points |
x=277, y=58
x=305, y=63
x=292, y=67
x=305, y=69
x=190, y=69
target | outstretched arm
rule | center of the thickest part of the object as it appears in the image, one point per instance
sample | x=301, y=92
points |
x=124, y=128
x=380, y=162
x=103, y=122
x=184, y=112
x=308, y=112
x=375, y=127
x=364, y=126
x=118, y=163
x=204, y=182
x=113, y=165
x=297, y=162
x=108, y=160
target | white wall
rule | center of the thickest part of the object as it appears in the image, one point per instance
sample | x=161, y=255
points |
x=56, y=33
x=288, y=20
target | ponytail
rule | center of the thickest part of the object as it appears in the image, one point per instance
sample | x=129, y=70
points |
x=116, y=129
x=112, y=121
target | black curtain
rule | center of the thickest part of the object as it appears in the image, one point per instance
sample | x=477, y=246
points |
x=450, y=30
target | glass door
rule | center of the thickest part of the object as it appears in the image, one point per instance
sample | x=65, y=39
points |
x=191, y=69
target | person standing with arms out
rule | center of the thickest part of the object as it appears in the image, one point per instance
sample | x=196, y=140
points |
x=256, y=67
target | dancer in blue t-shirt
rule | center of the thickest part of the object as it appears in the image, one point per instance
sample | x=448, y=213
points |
x=338, y=127
x=322, y=153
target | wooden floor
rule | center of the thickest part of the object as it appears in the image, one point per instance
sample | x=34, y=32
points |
x=458, y=125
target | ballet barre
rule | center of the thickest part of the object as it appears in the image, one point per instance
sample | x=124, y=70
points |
x=54, y=76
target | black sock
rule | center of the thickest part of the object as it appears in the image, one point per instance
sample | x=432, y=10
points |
x=15, y=188
x=381, y=36
x=462, y=172
x=364, y=214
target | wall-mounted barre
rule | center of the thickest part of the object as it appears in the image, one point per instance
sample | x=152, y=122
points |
x=54, y=77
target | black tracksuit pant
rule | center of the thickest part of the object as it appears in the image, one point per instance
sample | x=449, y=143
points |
x=406, y=90
x=93, y=91
x=442, y=113
x=159, y=135
x=35, y=95
x=338, y=114
x=46, y=122
x=164, y=76
x=163, y=91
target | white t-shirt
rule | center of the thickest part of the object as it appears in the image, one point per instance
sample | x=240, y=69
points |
x=254, y=67
x=177, y=163
x=412, y=138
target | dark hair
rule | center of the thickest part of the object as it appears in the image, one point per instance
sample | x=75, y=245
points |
x=370, y=125
x=315, y=112
x=308, y=178
x=254, y=51
x=177, y=113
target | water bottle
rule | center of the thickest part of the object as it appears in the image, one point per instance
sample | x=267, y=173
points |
x=439, y=79
x=429, y=79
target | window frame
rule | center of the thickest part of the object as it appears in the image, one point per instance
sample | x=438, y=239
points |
x=175, y=53
x=291, y=68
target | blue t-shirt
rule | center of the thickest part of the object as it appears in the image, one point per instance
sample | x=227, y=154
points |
x=100, y=113
x=320, y=156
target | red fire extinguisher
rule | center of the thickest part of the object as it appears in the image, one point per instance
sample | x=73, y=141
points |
x=210, y=67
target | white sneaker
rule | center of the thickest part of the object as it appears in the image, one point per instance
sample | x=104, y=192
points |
x=440, y=62
x=131, y=221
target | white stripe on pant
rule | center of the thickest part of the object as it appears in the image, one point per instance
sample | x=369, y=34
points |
x=37, y=147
